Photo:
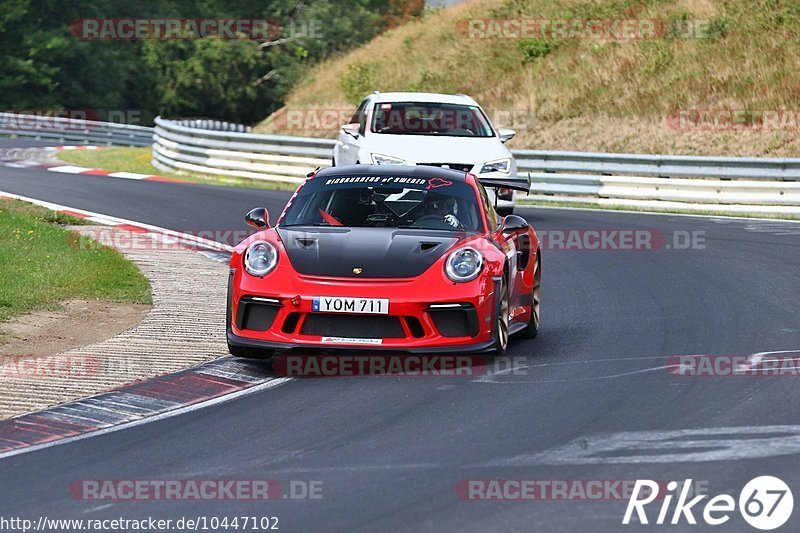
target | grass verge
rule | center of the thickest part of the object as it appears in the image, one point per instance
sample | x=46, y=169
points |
x=40, y=265
x=138, y=160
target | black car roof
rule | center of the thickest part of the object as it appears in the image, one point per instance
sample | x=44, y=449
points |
x=419, y=171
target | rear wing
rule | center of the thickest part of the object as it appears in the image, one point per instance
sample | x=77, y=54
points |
x=508, y=183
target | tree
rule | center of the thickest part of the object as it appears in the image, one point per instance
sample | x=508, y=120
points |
x=44, y=66
x=207, y=78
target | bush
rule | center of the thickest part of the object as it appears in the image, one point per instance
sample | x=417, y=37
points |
x=533, y=49
x=358, y=81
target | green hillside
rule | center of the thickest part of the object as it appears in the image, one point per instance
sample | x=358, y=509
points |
x=714, y=77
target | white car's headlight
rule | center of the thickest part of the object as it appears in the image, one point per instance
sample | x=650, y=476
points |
x=260, y=258
x=501, y=165
x=380, y=159
x=463, y=264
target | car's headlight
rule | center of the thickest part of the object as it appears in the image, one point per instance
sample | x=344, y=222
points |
x=501, y=165
x=380, y=159
x=260, y=258
x=464, y=264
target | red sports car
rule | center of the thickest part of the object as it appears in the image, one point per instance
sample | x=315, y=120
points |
x=408, y=259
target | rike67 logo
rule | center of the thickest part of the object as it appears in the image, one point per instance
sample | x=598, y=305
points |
x=765, y=503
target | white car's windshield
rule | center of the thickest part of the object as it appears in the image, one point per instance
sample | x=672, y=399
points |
x=423, y=118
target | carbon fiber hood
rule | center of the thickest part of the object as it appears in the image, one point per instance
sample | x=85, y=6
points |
x=378, y=252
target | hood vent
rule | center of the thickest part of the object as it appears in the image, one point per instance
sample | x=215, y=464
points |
x=428, y=246
x=306, y=243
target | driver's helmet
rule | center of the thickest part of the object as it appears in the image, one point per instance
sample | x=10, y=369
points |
x=439, y=204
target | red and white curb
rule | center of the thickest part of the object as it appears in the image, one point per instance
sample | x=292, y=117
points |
x=212, y=249
x=81, y=147
x=73, y=169
x=132, y=405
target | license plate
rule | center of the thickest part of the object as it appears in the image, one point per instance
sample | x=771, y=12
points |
x=337, y=304
x=348, y=340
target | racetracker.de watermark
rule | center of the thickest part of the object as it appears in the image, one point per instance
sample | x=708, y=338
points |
x=133, y=29
x=555, y=29
x=77, y=119
x=697, y=119
x=757, y=365
x=63, y=366
x=195, y=489
x=558, y=489
x=605, y=239
x=126, y=238
x=352, y=365
x=70, y=366
x=584, y=239
x=309, y=119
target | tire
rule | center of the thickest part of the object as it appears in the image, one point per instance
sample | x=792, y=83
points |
x=502, y=320
x=532, y=329
x=251, y=353
x=505, y=211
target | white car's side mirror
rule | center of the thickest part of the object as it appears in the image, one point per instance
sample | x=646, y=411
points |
x=505, y=134
x=351, y=129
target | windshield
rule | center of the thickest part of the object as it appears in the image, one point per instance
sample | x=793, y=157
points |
x=386, y=201
x=421, y=118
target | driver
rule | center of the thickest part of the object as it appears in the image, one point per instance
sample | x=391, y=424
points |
x=443, y=207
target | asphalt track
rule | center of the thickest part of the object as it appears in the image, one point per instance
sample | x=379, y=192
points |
x=7, y=142
x=391, y=450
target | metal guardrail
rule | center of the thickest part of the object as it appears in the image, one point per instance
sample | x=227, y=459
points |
x=666, y=166
x=693, y=183
x=211, y=124
x=180, y=147
x=70, y=130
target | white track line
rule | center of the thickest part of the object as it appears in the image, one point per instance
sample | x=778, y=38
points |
x=128, y=175
x=69, y=169
x=56, y=148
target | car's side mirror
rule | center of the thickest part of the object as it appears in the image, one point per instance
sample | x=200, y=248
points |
x=505, y=134
x=258, y=218
x=513, y=223
x=351, y=129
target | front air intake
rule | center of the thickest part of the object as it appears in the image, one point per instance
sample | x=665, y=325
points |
x=455, y=320
x=372, y=327
x=256, y=314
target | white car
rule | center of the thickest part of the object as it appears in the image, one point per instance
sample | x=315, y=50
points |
x=443, y=130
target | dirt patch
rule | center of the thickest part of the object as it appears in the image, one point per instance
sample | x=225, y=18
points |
x=75, y=324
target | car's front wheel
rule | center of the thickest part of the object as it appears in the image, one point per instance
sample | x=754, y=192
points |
x=250, y=353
